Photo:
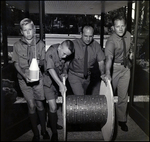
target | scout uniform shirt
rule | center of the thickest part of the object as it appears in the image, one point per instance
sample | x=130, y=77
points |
x=115, y=47
x=23, y=53
x=52, y=61
x=95, y=53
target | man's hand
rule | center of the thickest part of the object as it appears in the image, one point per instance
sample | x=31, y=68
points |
x=28, y=80
x=131, y=55
x=105, y=78
x=108, y=77
x=62, y=89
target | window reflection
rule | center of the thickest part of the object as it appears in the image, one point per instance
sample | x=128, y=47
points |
x=59, y=23
x=141, y=72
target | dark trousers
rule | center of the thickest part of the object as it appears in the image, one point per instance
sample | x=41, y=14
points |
x=78, y=84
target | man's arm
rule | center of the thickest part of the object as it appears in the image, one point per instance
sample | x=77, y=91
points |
x=102, y=70
x=109, y=54
x=19, y=70
x=101, y=67
x=65, y=70
x=62, y=87
x=108, y=66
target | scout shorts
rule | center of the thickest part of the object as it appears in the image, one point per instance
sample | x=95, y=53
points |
x=32, y=90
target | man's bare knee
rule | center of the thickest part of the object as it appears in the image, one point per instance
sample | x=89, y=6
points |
x=52, y=105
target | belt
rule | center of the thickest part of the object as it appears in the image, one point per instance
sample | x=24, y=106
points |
x=119, y=63
x=78, y=74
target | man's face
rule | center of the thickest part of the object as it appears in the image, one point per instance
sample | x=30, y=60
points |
x=119, y=27
x=28, y=31
x=63, y=51
x=87, y=35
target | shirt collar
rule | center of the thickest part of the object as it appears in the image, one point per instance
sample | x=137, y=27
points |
x=25, y=42
x=118, y=37
x=83, y=44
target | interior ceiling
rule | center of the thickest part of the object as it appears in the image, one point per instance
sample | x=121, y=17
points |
x=69, y=7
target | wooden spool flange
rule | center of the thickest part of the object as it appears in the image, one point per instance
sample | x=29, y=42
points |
x=108, y=128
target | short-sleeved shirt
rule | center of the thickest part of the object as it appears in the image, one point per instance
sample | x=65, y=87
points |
x=95, y=53
x=23, y=52
x=52, y=61
x=114, y=46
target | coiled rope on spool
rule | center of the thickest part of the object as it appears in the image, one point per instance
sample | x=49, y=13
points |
x=86, y=109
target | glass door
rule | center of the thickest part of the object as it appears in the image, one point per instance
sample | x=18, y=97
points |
x=139, y=88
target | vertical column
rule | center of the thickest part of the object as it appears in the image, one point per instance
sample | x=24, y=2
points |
x=102, y=23
x=129, y=16
x=42, y=21
x=4, y=32
x=68, y=17
x=5, y=57
x=135, y=48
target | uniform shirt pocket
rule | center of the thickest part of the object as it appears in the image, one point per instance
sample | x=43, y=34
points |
x=23, y=61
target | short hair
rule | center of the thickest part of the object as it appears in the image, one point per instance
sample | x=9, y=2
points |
x=26, y=21
x=87, y=25
x=69, y=44
x=118, y=17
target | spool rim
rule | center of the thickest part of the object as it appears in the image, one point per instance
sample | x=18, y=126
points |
x=108, y=128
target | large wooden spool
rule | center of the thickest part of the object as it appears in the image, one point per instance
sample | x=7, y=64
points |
x=91, y=109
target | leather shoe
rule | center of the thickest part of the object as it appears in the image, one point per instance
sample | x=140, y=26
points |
x=45, y=135
x=59, y=127
x=36, y=138
x=123, y=126
x=54, y=137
